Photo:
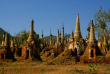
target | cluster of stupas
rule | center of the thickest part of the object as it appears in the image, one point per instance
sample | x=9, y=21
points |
x=82, y=50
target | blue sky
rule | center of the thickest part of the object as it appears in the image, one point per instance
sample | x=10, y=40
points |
x=16, y=15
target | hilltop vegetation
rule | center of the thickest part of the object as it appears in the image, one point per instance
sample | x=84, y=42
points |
x=54, y=38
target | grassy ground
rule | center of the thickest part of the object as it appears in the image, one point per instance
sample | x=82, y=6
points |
x=39, y=68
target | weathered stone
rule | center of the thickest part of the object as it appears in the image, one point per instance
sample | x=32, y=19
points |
x=31, y=33
x=71, y=37
x=50, y=38
x=92, y=50
x=3, y=39
x=57, y=36
x=92, y=35
x=6, y=40
x=77, y=34
x=30, y=51
x=62, y=39
x=5, y=51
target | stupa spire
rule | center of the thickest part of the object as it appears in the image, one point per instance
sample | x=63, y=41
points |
x=62, y=40
x=57, y=36
x=6, y=40
x=60, y=36
x=12, y=43
x=3, y=39
x=77, y=34
x=31, y=33
x=42, y=34
x=50, y=37
x=92, y=35
x=65, y=40
x=71, y=37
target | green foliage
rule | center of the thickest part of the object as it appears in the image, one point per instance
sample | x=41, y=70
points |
x=88, y=29
x=23, y=36
x=68, y=35
x=93, y=68
x=100, y=48
x=90, y=65
x=104, y=45
x=101, y=22
x=48, y=38
x=36, y=36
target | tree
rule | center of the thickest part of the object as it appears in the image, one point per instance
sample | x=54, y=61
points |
x=23, y=36
x=88, y=29
x=68, y=35
x=36, y=36
x=101, y=20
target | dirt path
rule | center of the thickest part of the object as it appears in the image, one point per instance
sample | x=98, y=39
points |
x=39, y=68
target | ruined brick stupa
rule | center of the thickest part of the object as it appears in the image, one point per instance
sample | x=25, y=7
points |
x=30, y=51
x=92, y=50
